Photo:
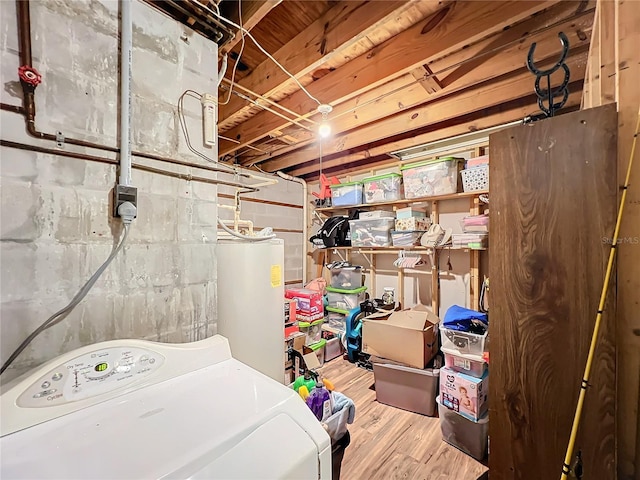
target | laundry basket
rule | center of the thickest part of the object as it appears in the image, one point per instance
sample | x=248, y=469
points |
x=476, y=178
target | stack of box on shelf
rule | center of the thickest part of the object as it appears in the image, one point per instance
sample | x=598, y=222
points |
x=476, y=233
x=475, y=175
x=345, y=292
x=463, y=402
x=403, y=346
x=309, y=317
x=410, y=225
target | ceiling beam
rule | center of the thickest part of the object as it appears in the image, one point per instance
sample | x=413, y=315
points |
x=486, y=118
x=486, y=95
x=335, y=31
x=403, y=93
x=252, y=12
x=448, y=30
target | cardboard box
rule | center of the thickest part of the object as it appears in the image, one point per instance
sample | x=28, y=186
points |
x=464, y=394
x=412, y=224
x=408, y=388
x=308, y=302
x=408, y=336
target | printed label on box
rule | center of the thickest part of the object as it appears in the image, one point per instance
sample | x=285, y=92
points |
x=462, y=363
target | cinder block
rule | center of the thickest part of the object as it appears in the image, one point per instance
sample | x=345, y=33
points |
x=156, y=221
x=20, y=165
x=20, y=211
x=205, y=191
x=154, y=125
x=17, y=270
x=198, y=263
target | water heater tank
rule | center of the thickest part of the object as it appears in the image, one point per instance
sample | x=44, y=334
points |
x=251, y=302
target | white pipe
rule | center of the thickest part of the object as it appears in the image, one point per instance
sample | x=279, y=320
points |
x=125, y=93
x=305, y=202
x=244, y=237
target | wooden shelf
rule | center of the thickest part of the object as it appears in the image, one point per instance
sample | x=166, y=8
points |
x=391, y=249
x=406, y=201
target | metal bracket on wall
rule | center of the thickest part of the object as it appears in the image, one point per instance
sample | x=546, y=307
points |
x=60, y=139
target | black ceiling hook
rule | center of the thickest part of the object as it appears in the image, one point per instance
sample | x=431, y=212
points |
x=550, y=94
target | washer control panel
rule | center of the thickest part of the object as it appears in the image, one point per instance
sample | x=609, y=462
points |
x=89, y=375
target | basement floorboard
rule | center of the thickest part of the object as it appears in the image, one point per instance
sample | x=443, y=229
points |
x=390, y=443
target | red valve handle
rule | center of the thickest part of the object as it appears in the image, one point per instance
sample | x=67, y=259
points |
x=29, y=75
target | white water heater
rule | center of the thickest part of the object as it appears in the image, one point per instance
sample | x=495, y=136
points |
x=251, y=302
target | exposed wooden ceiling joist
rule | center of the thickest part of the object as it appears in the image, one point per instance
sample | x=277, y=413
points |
x=448, y=30
x=340, y=27
x=486, y=118
x=382, y=101
x=488, y=94
x=252, y=12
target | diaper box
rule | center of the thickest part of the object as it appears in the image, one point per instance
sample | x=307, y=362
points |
x=464, y=394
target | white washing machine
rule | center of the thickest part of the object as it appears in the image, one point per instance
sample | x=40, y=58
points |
x=131, y=409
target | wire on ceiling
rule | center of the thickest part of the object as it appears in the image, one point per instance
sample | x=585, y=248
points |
x=486, y=53
x=261, y=48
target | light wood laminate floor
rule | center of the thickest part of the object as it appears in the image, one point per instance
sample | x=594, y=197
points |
x=390, y=443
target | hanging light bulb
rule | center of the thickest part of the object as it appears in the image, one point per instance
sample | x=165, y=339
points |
x=325, y=128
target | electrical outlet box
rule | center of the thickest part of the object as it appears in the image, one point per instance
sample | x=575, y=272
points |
x=121, y=194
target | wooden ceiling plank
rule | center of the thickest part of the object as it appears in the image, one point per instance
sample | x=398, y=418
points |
x=485, y=121
x=336, y=30
x=252, y=12
x=364, y=109
x=470, y=100
x=448, y=30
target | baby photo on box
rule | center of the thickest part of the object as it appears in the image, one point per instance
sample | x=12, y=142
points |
x=463, y=393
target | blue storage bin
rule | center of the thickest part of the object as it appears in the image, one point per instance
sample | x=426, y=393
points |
x=346, y=194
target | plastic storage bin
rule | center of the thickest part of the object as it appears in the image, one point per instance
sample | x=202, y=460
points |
x=345, y=299
x=345, y=194
x=431, y=177
x=476, y=178
x=408, y=388
x=375, y=232
x=468, y=364
x=348, y=278
x=464, y=434
x=312, y=330
x=406, y=239
x=336, y=320
x=333, y=349
x=383, y=188
x=463, y=343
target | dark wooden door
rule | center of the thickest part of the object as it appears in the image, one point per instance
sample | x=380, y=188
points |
x=552, y=206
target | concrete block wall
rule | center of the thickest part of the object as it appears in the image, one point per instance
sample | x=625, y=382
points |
x=283, y=212
x=56, y=225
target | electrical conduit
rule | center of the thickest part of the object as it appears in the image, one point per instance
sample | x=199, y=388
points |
x=126, y=40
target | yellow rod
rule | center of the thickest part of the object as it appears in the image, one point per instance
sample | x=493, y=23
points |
x=566, y=469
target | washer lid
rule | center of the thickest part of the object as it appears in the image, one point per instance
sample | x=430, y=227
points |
x=180, y=425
